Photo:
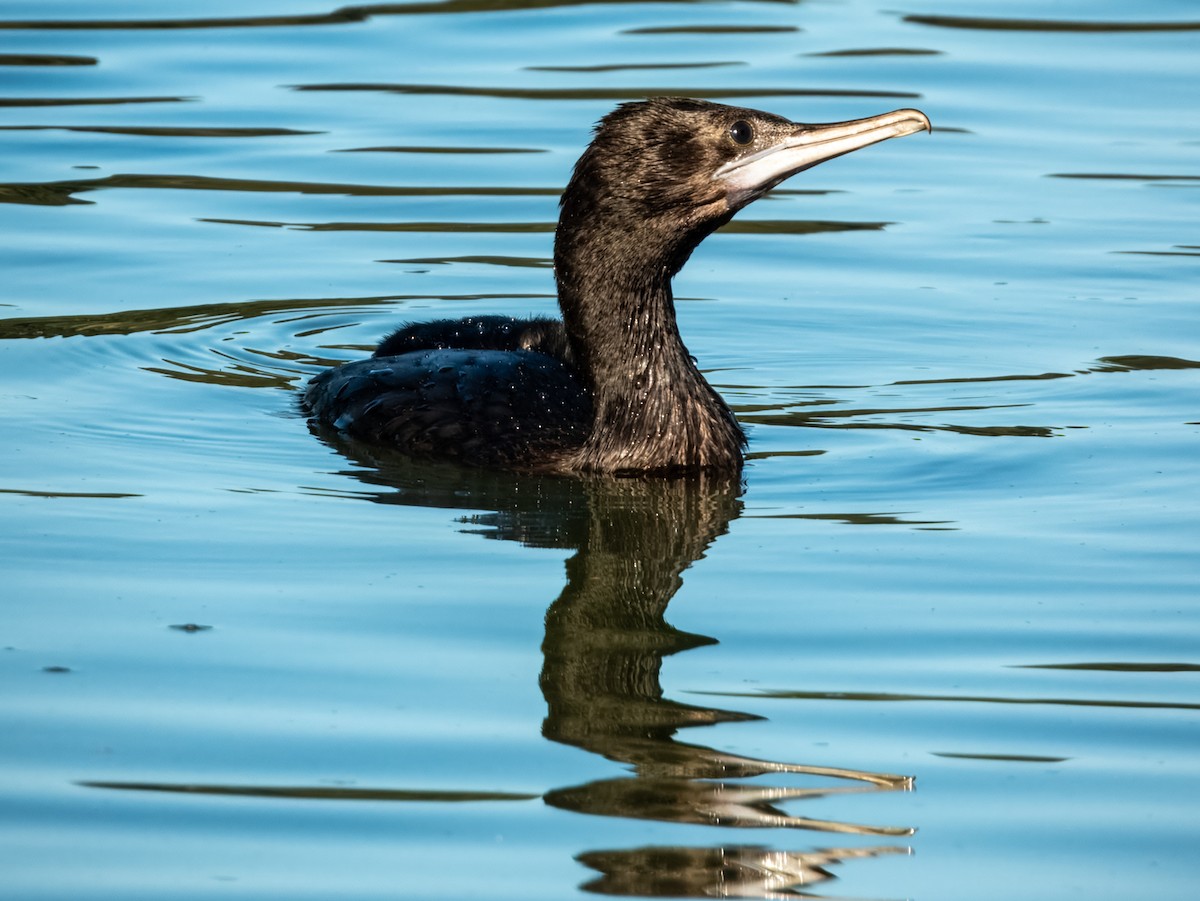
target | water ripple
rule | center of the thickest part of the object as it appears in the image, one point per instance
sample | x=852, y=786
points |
x=317, y=792
x=166, y=131
x=601, y=93
x=714, y=29
x=57, y=193
x=737, y=227
x=87, y=101
x=882, y=51
x=450, y=150
x=890, y=697
x=983, y=23
x=341, y=16
x=1119, y=667
x=45, y=59
x=633, y=67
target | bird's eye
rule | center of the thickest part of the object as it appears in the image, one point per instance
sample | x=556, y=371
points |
x=741, y=132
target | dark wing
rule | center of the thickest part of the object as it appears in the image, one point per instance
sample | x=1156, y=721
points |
x=481, y=407
x=538, y=333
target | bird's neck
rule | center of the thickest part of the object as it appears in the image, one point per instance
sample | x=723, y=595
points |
x=652, y=408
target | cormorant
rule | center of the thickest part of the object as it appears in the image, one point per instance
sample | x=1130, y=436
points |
x=610, y=387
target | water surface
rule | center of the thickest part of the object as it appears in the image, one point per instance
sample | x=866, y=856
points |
x=941, y=638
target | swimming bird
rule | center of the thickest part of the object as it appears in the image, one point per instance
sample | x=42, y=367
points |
x=610, y=387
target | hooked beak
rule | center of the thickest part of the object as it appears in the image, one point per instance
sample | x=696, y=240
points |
x=751, y=176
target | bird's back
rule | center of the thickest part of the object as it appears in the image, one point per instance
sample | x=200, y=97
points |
x=509, y=408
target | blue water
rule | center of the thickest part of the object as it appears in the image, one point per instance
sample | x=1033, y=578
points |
x=943, y=634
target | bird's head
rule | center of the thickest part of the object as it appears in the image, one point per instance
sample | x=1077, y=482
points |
x=678, y=167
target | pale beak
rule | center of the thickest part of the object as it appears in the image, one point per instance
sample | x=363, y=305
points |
x=751, y=176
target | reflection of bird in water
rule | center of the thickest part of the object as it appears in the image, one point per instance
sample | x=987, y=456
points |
x=606, y=642
x=610, y=387
x=724, y=872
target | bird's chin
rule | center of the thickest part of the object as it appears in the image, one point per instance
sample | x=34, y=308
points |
x=738, y=196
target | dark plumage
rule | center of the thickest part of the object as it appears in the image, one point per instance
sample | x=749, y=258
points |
x=611, y=387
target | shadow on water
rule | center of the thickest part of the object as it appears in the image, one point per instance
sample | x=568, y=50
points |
x=605, y=642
